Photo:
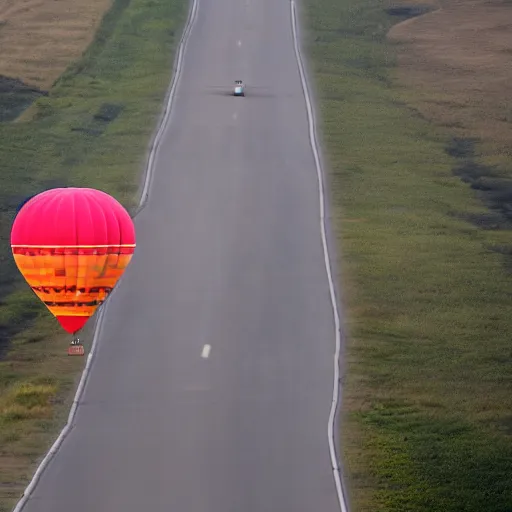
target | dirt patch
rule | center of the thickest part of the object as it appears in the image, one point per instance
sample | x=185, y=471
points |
x=494, y=187
x=409, y=11
x=456, y=65
x=15, y=97
x=457, y=61
x=40, y=38
x=96, y=124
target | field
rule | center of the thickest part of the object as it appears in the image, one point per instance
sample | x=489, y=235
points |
x=417, y=128
x=417, y=125
x=39, y=38
x=456, y=62
x=91, y=128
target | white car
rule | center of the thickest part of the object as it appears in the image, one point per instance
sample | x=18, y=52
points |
x=239, y=88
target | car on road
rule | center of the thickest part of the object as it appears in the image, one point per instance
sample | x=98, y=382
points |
x=239, y=88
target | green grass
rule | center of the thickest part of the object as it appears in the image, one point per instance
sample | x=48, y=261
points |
x=427, y=397
x=93, y=129
x=427, y=421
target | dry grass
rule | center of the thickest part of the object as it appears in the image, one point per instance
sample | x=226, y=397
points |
x=459, y=58
x=40, y=38
x=34, y=377
x=427, y=376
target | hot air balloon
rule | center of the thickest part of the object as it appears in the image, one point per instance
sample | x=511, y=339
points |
x=72, y=245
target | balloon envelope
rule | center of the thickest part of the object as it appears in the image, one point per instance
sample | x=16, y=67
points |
x=72, y=245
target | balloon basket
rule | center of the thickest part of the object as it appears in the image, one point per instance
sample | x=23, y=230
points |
x=76, y=350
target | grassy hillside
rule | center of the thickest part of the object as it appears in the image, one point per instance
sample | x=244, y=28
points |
x=426, y=279
x=92, y=129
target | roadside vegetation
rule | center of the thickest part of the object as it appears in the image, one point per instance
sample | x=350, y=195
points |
x=91, y=128
x=418, y=142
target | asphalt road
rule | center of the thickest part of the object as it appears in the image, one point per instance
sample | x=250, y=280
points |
x=229, y=255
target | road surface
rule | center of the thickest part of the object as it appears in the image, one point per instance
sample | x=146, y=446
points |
x=212, y=384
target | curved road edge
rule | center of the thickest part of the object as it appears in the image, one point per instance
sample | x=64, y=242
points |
x=337, y=324
x=147, y=175
x=147, y=178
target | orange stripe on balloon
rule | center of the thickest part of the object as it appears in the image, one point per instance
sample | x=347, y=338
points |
x=73, y=286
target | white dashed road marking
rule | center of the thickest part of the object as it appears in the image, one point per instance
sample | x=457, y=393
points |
x=206, y=351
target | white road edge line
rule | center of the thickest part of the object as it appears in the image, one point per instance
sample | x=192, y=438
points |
x=206, y=351
x=170, y=101
x=314, y=146
x=147, y=181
